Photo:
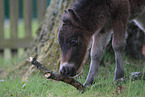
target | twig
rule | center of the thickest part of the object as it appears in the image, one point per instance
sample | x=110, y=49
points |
x=57, y=76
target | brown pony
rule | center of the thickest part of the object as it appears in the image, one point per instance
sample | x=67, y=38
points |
x=96, y=19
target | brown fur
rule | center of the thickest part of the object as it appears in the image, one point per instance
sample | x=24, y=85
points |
x=96, y=18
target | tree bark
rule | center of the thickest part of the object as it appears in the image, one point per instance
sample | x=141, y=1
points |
x=45, y=46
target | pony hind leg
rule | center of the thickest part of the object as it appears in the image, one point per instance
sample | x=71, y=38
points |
x=100, y=41
x=119, y=40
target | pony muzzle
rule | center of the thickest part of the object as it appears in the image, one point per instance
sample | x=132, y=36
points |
x=67, y=69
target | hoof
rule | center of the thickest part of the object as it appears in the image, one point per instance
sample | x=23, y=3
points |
x=119, y=75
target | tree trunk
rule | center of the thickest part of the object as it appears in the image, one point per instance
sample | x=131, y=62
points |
x=45, y=46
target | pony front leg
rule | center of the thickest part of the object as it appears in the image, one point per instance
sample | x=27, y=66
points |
x=100, y=41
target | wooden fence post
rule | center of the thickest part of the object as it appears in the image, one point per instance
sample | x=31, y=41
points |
x=41, y=9
x=1, y=24
x=14, y=43
x=14, y=15
x=28, y=17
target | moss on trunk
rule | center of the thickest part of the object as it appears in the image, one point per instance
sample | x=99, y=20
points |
x=45, y=46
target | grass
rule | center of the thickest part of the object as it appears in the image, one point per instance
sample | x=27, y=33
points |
x=38, y=86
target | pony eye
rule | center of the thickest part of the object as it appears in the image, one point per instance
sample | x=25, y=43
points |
x=73, y=42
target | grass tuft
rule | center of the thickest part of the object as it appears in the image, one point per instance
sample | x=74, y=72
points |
x=37, y=85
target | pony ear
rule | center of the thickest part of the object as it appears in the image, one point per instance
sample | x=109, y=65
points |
x=66, y=17
x=70, y=17
x=73, y=15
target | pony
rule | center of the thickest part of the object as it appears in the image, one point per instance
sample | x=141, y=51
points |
x=96, y=19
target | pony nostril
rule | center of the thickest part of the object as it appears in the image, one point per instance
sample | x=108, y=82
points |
x=63, y=71
x=68, y=71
